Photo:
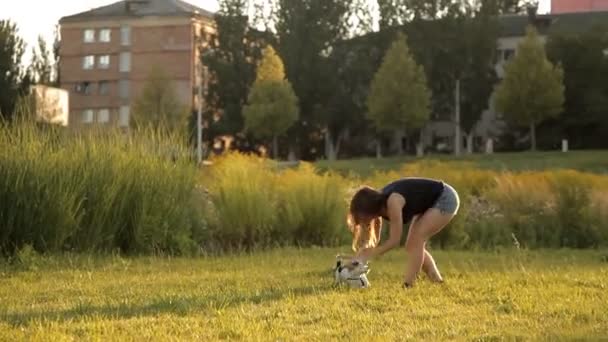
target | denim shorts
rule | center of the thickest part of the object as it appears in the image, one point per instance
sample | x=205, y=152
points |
x=448, y=202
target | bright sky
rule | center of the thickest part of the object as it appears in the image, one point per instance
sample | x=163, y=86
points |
x=39, y=17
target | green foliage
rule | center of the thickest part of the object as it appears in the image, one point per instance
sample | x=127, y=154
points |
x=244, y=203
x=306, y=32
x=14, y=81
x=42, y=65
x=583, y=59
x=158, y=104
x=255, y=206
x=231, y=58
x=532, y=89
x=97, y=192
x=272, y=105
x=399, y=97
x=272, y=109
x=313, y=206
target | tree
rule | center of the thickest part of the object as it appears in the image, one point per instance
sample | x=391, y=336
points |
x=307, y=30
x=231, y=58
x=14, y=81
x=532, y=89
x=41, y=67
x=478, y=75
x=273, y=106
x=57, y=57
x=158, y=104
x=584, y=58
x=399, y=97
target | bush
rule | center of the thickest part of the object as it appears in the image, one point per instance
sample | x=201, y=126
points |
x=243, y=193
x=141, y=193
x=312, y=207
x=98, y=191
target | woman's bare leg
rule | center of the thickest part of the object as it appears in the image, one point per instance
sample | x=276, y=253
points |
x=430, y=267
x=428, y=263
x=422, y=229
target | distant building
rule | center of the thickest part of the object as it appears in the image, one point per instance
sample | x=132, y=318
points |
x=570, y=6
x=107, y=53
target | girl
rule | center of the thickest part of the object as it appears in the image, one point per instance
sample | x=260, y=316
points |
x=427, y=203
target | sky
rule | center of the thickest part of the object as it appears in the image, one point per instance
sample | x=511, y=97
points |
x=39, y=17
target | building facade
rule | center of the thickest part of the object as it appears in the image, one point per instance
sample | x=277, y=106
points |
x=108, y=53
x=570, y=6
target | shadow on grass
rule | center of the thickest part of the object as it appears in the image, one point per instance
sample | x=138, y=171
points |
x=178, y=305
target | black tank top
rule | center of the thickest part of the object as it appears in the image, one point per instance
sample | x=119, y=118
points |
x=420, y=194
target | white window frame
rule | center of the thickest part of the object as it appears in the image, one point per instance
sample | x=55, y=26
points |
x=105, y=35
x=103, y=62
x=124, y=63
x=88, y=36
x=103, y=115
x=124, y=89
x=124, y=116
x=88, y=62
x=87, y=116
x=101, y=85
x=125, y=35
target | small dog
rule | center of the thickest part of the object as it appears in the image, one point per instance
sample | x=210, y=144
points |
x=353, y=273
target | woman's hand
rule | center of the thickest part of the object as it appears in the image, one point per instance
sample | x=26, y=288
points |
x=364, y=255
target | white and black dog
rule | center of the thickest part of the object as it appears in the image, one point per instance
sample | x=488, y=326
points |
x=353, y=273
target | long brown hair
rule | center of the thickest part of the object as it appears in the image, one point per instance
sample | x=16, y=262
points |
x=365, y=237
x=368, y=202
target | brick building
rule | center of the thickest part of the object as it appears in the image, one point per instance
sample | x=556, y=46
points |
x=570, y=6
x=108, y=52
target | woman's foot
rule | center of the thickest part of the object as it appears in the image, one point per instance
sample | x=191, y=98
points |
x=435, y=277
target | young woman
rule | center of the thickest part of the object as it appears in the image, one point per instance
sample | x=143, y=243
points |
x=427, y=204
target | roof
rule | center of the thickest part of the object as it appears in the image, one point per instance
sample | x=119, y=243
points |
x=566, y=23
x=140, y=8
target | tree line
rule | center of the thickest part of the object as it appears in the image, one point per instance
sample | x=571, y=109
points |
x=316, y=79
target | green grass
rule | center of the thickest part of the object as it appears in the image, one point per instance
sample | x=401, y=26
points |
x=591, y=161
x=287, y=294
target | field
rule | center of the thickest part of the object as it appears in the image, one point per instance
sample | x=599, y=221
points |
x=111, y=237
x=287, y=295
x=590, y=161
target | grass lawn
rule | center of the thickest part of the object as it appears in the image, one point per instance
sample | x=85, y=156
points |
x=592, y=161
x=287, y=294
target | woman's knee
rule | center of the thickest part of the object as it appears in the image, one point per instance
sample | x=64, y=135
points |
x=414, y=243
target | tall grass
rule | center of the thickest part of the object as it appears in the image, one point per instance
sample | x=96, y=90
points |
x=254, y=205
x=244, y=202
x=98, y=191
x=141, y=193
x=559, y=208
x=313, y=206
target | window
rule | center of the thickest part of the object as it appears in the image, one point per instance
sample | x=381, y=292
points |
x=83, y=88
x=123, y=118
x=509, y=54
x=103, y=116
x=123, y=89
x=103, y=87
x=105, y=35
x=125, y=61
x=87, y=116
x=89, y=36
x=87, y=88
x=125, y=35
x=88, y=62
x=104, y=62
